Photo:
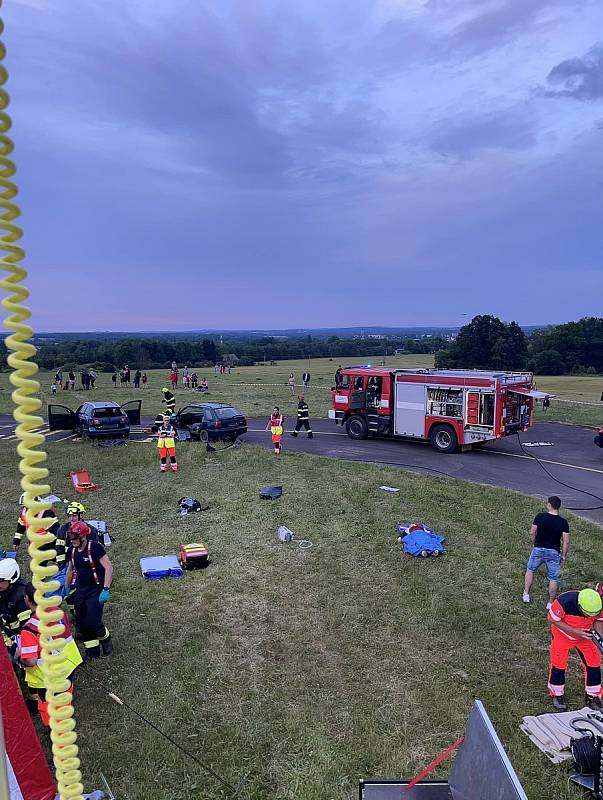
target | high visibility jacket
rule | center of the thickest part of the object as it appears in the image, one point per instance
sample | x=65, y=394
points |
x=31, y=648
x=276, y=425
x=167, y=436
x=59, y=544
x=14, y=612
x=566, y=609
x=302, y=411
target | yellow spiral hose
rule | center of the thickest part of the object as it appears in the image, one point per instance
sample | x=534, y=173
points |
x=20, y=359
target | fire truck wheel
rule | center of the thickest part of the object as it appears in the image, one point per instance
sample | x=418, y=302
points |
x=443, y=439
x=356, y=427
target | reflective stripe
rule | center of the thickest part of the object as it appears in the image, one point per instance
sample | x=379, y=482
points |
x=593, y=691
x=556, y=691
x=24, y=614
x=91, y=643
x=25, y=650
x=554, y=617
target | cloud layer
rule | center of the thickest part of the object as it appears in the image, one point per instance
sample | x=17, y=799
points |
x=356, y=162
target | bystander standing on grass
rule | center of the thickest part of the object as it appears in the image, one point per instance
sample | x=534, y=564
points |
x=550, y=539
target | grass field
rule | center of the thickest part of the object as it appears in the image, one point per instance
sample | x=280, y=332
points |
x=255, y=390
x=307, y=669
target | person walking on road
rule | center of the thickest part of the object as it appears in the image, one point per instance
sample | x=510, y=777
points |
x=275, y=426
x=90, y=574
x=303, y=418
x=550, y=538
x=573, y=617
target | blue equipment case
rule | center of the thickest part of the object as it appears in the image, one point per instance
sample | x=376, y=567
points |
x=155, y=567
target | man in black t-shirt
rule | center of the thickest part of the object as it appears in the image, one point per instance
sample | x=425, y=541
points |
x=550, y=540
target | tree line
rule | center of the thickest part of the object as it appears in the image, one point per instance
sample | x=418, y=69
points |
x=574, y=348
x=484, y=343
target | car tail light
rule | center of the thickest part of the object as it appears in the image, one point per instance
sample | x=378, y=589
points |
x=96, y=422
x=217, y=424
x=123, y=420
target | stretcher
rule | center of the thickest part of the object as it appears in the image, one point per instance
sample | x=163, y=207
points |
x=155, y=567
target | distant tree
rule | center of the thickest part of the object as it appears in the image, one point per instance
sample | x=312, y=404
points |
x=486, y=343
x=579, y=345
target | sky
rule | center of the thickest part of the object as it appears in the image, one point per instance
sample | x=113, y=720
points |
x=268, y=164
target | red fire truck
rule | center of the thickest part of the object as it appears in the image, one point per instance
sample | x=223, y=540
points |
x=449, y=408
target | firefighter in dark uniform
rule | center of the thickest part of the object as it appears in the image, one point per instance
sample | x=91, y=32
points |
x=169, y=400
x=59, y=544
x=90, y=573
x=14, y=612
x=303, y=418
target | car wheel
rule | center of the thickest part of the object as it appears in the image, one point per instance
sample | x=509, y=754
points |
x=356, y=427
x=443, y=439
x=204, y=437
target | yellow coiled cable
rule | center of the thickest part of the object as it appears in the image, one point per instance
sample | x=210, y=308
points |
x=54, y=663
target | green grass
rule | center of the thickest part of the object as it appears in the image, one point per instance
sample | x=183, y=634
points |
x=306, y=670
x=255, y=390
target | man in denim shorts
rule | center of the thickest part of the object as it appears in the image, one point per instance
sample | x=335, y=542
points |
x=550, y=537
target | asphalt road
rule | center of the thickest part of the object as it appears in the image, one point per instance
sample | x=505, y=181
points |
x=571, y=457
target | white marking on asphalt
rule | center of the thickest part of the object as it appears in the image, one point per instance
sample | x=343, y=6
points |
x=546, y=461
x=63, y=438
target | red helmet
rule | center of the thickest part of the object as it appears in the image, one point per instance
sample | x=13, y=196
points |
x=78, y=530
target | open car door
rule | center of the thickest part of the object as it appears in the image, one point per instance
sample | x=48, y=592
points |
x=61, y=418
x=132, y=410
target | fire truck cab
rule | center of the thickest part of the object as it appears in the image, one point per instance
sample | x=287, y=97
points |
x=449, y=408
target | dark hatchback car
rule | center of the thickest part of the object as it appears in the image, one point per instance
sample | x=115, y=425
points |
x=599, y=438
x=211, y=421
x=92, y=420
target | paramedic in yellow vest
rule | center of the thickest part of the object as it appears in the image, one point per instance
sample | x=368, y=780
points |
x=275, y=426
x=30, y=654
x=166, y=443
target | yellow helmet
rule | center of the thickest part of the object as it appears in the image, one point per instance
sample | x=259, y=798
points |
x=165, y=389
x=75, y=508
x=590, y=602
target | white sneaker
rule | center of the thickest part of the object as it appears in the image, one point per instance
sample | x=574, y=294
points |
x=548, y=606
x=526, y=597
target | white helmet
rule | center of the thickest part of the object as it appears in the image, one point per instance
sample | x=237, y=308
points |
x=37, y=499
x=9, y=570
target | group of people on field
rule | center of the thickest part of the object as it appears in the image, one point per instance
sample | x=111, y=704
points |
x=84, y=578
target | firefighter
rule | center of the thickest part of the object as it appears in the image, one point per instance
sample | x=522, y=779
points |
x=303, y=418
x=169, y=400
x=75, y=512
x=14, y=612
x=157, y=422
x=275, y=426
x=59, y=544
x=30, y=653
x=573, y=616
x=89, y=573
x=166, y=444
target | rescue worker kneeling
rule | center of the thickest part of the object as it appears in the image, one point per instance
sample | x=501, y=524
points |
x=573, y=615
x=166, y=443
x=30, y=654
x=90, y=573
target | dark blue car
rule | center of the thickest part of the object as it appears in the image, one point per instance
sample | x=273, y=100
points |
x=93, y=420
